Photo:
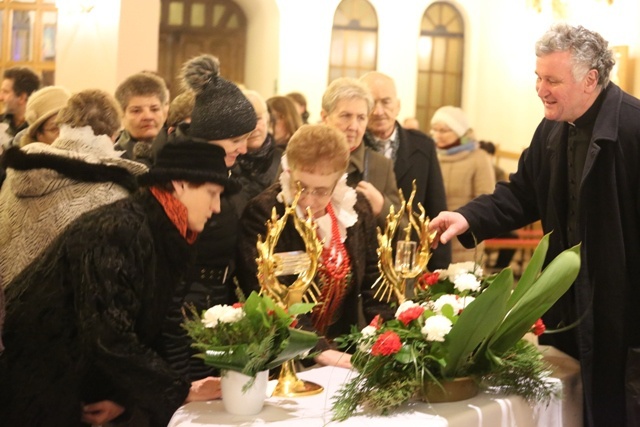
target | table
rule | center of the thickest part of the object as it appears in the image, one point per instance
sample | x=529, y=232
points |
x=484, y=410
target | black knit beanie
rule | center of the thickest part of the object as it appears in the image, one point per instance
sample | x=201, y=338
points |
x=221, y=111
x=191, y=161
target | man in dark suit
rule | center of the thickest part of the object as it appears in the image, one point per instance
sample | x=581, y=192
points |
x=412, y=152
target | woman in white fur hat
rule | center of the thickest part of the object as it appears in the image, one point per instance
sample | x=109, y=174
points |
x=467, y=171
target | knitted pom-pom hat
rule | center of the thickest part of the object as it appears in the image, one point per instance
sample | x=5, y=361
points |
x=221, y=110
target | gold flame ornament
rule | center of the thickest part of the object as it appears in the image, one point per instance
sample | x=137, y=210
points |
x=304, y=264
x=411, y=257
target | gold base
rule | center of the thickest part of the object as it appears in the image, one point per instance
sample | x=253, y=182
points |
x=450, y=391
x=289, y=385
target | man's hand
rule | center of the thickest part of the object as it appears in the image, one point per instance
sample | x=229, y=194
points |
x=375, y=198
x=334, y=358
x=204, y=389
x=448, y=225
x=101, y=412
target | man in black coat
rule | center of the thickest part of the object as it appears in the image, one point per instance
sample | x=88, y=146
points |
x=580, y=178
x=412, y=152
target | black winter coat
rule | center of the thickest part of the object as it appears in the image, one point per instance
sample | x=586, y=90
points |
x=90, y=311
x=607, y=291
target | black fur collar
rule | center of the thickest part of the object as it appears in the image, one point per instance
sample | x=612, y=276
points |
x=75, y=169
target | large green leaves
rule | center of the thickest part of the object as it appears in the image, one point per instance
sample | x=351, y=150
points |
x=499, y=318
x=536, y=299
x=477, y=321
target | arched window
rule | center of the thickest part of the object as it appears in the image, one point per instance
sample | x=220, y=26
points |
x=440, y=55
x=354, y=39
x=28, y=36
x=192, y=27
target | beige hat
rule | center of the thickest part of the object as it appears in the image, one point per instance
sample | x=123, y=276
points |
x=453, y=117
x=41, y=105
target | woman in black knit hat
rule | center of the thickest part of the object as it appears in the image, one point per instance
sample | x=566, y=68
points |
x=84, y=322
x=222, y=116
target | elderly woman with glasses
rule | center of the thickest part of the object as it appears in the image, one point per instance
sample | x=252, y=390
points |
x=316, y=161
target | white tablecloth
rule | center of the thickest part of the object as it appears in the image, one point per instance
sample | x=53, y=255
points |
x=484, y=410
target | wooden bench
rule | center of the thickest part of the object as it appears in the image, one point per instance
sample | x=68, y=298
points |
x=524, y=244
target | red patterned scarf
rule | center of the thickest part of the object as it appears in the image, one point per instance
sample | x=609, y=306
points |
x=176, y=211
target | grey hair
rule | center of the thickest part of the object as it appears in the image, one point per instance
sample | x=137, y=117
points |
x=589, y=50
x=346, y=88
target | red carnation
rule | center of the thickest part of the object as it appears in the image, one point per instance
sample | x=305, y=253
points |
x=411, y=314
x=387, y=344
x=538, y=327
x=429, y=279
x=377, y=322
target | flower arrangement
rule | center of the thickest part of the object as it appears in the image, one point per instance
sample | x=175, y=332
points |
x=249, y=336
x=460, y=324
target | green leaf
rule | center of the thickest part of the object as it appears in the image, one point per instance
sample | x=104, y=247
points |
x=300, y=308
x=554, y=281
x=532, y=271
x=477, y=321
x=299, y=342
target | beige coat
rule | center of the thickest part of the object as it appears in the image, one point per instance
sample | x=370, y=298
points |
x=47, y=187
x=466, y=174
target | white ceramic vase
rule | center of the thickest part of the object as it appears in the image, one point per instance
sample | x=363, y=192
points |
x=243, y=403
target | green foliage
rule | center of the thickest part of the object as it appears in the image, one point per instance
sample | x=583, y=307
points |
x=485, y=339
x=261, y=338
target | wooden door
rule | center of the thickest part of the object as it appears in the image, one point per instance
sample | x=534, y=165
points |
x=192, y=27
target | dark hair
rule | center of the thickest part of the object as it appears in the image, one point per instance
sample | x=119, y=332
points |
x=488, y=146
x=141, y=84
x=284, y=107
x=25, y=80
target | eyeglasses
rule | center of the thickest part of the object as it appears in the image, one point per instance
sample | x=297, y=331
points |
x=316, y=192
x=441, y=130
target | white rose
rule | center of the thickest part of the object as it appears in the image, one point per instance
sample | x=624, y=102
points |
x=368, y=331
x=450, y=299
x=221, y=313
x=405, y=306
x=466, y=282
x=458, y=268
x=436, y=328
x=231, y=315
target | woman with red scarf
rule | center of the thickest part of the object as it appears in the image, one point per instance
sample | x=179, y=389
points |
x=84, y=322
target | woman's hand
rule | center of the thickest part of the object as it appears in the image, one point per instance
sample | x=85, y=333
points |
x=204, y=389
x=101, y=412
x=334, y=358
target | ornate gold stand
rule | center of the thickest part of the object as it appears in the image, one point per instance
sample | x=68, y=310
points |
x=393, y=277
x=271, y=265
x=289, y=385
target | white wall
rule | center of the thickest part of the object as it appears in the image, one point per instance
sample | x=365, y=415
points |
x=101, y=48
x=289, y=40
x=499, y=81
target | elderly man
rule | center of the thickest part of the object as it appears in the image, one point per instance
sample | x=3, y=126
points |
x=346, y=105
x=580, y=178
x=413, y=154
